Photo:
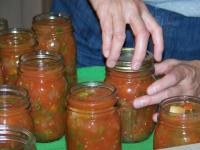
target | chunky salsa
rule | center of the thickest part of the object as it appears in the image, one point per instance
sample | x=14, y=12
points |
x=13, y=44
x=14, y=138
x=14, y=107
x=178, y=123
x=54, y=33
x=92, y=119
x=41, y=73
x=137, y=124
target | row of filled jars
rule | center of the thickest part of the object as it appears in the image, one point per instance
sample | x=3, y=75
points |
x=94, y=115
x=50, y=31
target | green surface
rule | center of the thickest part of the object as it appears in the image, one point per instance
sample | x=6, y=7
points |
x=94, y=74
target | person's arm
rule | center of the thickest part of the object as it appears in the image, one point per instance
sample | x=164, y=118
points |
x=114, y=15
x=180, y=78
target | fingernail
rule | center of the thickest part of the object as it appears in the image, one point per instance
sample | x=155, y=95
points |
x=106, y=53
x=136, y=65
x=151, y=90
x=138, y=103
x=111, y=63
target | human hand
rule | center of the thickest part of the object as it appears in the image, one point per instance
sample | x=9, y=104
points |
x=114, y=15
x=180, y=78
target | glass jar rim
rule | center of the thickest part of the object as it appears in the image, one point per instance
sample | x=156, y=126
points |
x=96, y=103
x=19, y=134
x=14, y=39
x=180, y=98
x=124, y=63
x=51, y=16
x=41, y=60
x=19, y=93
x=16, y=30
x=52, y=23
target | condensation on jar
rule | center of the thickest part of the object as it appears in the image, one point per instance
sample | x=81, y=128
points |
x=178, y=122
x=15, y=138
x=15, y=107
x=14, y=43
x=41, y=73
x=54, y=33
x=92, y=121
x=137, y=124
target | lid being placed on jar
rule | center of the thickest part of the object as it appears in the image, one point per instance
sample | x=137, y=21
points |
x=125, y=60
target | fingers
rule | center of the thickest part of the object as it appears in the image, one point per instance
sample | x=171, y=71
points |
x=118, y=38
x=165, y=66
x=169, y=80
x=156, y=32
x=107, y=31
x=156, y=98
x=155, y=117
x=141, y=40
x=114, y=15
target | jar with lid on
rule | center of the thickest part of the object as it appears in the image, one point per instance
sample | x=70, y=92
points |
x=15, y=107
x=41, y=73
x=178, y=122
x=93, y=122
x=14, y=138
x=3, y=25
x=137, y=124
x=14, y=43
x=54, y=33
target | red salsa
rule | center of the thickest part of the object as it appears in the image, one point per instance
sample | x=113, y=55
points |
x=14, y=138
x=41, y=73
x=14, y=43
x=178, y=122
x=15, y=107
x=137, y=124
x=54, y=33
x=93, y=122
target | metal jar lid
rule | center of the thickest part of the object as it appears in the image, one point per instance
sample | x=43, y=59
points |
x=125, y=60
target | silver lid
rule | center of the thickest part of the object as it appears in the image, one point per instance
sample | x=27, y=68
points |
x=124, y=63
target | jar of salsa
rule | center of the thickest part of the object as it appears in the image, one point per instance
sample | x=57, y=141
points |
x=137, y=124
x=13, y=138
x=14, y=43
x=54, y=33
x=178, y=122
x=3, y=25
x=15, y=107
x=41, y=73
x=93, y=122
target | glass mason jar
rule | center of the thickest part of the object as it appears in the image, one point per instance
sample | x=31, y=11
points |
x=178, y=122
x=92, y=118
x=3, y=25
x=14, y=43
x=15, y=107
x=137, y=124
x=54, y=33
x=13, y=138
x=41, y=73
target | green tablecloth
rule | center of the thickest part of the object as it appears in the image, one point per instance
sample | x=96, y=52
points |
x=95, y=74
